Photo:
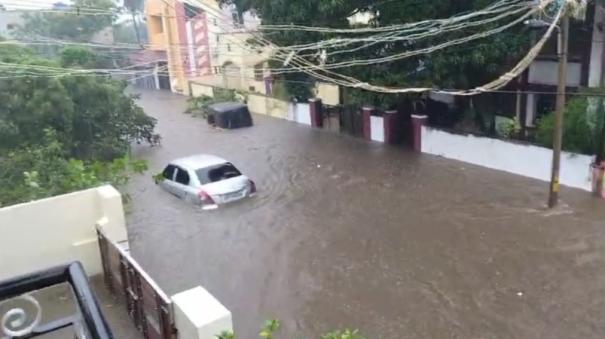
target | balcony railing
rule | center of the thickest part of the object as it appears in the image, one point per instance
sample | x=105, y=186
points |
x=21, y=313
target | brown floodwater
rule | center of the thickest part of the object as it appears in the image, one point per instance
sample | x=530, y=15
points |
x=347, y=233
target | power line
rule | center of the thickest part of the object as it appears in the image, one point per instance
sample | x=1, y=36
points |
x=299, y=64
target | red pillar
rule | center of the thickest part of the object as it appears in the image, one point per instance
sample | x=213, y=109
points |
x=367, y=125
x=316, y=110
x=598, y=179
x=391, y=132
x=417, y=122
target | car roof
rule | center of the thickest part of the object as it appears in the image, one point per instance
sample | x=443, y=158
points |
x=195, y=162
x=226, y=106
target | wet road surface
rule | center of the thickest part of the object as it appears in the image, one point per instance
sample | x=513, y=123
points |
x=345, y=233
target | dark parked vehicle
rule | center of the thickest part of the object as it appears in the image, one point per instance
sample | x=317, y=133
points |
x=229, y=115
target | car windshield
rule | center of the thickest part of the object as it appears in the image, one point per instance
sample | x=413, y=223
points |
x=217, y=173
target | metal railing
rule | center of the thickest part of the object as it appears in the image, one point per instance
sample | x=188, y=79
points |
x=148, y=306
x=21, y=312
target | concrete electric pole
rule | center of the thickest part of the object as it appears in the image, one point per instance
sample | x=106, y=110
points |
x=553, y=197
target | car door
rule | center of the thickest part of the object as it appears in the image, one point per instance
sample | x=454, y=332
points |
x=168, y=183
x=181, y=183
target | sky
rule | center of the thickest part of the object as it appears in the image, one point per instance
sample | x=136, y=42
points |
x=32, y=4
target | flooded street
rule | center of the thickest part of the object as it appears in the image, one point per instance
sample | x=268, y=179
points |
x=346, y=233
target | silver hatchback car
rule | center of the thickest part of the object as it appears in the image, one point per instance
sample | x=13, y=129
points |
x=206, y=180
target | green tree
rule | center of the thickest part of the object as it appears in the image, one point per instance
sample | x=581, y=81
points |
x=92, y=115
x=71, y=24
x=583, y=126
x=59, y=132
x=45, y=170
x=78, y=57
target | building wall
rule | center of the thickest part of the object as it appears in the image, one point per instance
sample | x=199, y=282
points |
x=54, y=231
x=543, y=72
x=526, y=160
x=261, y=104
x=155, y=31
x=203, y=45
x=166, y=34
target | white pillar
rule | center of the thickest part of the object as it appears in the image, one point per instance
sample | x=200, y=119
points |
x=596, y=53
x=112, y=219
x=198, y=315
x=530, y=110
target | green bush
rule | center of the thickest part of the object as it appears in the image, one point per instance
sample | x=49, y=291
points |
x=45, y=170
x=272, y=326
x=582, y=126
x=63, y=134
x=197, y=105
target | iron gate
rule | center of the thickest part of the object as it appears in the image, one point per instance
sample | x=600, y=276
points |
x=148, y=306
x=351, y=121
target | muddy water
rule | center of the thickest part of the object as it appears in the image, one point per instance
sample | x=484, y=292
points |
x=345, y=233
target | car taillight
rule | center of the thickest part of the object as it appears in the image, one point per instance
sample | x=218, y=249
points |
x=252, y=187
x=205, y=197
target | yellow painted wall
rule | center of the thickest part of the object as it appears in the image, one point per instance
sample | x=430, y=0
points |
x=257, y=104
x=328, y=93
x=198, y=89
x=154, y=7
x=277, y=108
x=261, y=104
x=166, y=37
x=155, y=28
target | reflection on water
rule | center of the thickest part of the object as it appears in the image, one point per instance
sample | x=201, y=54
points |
x=344, y=233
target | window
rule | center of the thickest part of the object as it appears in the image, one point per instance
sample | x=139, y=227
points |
x=258, y=72
x=192, y=11
x=169, y=172
x=228, y=47
x=155, y=25
x=182, y=177
x=217, y=173
x=214, y=22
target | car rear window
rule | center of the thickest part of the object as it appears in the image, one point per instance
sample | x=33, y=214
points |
x=217, y=173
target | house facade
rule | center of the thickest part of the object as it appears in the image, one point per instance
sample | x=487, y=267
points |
x=586, y=56
x=206, y=43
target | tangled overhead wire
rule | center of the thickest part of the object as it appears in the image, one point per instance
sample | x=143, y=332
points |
x=319, y=59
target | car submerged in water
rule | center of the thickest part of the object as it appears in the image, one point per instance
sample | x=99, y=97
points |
x=229, y=115
x=206, y=180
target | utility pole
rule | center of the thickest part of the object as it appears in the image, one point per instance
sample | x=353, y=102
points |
x=553, y=197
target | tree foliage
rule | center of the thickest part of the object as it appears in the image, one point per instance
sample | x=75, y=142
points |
x=463, y=66
x=125, y=32
x=45, y=169
x=69, y=25
x=62, y=133
x=80, y=57
x=583, y=126
x=271, y=327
